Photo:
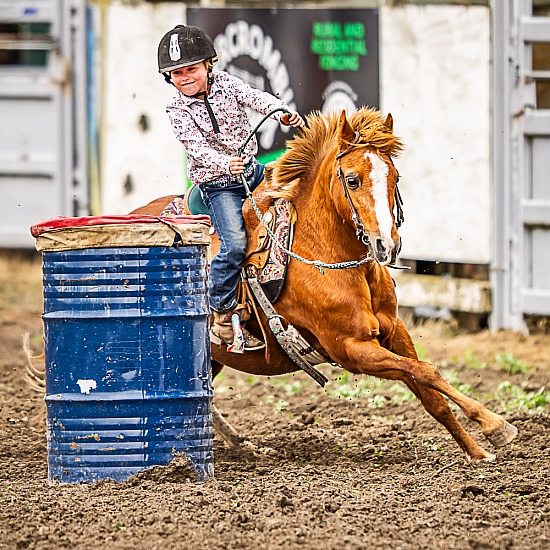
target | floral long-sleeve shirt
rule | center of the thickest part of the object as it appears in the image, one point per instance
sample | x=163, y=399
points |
x=208, y=153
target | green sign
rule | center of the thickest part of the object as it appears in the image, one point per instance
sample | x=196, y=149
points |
x=338, y=45
x=313, y=59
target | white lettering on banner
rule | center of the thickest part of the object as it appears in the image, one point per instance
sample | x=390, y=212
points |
x=288, y=96
x=242, y=39
x=234, y=39
x=256, y=41
x=266, y=52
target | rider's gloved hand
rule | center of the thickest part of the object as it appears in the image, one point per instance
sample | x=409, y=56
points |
x=292, y=119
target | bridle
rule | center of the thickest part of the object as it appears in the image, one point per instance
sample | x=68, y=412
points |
x=360, y=232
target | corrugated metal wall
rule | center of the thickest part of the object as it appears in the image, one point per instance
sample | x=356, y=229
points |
x=43, y=165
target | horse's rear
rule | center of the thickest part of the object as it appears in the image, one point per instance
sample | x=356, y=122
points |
x=155, y=207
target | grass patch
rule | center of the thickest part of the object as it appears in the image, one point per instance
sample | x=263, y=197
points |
x=279, y=405
x=377, y=392
x=471, y=361
x=289, y=384
x=510, y=364
x=421, y=352
x=514, y=397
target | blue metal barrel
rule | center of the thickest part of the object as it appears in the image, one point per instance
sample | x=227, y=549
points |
x=128, y=379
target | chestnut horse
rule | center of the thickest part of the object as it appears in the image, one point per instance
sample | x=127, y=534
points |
x=340, y=177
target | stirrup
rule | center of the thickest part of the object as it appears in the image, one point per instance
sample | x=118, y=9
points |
x=251, y=343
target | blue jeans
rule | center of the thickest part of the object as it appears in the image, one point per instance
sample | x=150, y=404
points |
x=225, y=206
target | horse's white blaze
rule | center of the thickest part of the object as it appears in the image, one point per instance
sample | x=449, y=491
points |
x=379, y=178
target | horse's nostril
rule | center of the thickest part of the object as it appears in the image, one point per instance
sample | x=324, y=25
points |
x=380, y=251
x=380, y=248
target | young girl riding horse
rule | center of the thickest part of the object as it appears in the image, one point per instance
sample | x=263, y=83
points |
x=208, y=116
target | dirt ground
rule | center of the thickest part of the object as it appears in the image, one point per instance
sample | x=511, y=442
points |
x=354, y=465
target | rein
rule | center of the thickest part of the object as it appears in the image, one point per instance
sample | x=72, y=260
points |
x=316, y=263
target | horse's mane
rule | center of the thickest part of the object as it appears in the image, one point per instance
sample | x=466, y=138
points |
x=307, y=149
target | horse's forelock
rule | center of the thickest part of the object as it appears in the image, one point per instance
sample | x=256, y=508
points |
x=372, y=130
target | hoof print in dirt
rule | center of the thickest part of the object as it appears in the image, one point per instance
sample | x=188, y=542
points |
x=470, y=491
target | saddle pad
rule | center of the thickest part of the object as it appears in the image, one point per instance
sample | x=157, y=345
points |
x=272, y=275
x=191, y=202
x=175, y=208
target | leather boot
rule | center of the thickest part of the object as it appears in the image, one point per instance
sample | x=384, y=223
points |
x=221, y=332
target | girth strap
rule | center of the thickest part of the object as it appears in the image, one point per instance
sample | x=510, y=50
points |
x=289, y=339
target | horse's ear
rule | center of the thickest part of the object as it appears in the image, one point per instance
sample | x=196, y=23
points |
x=345, y=131
x=388, y=123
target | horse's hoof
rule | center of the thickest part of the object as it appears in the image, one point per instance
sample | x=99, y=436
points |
x=503, y=435
x=488, y=457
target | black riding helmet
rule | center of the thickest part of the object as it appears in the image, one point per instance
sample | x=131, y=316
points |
x=183, y=46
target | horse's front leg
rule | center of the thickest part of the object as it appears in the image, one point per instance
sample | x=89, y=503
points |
x=368, y=357
x=434, y=402
x=225, y=430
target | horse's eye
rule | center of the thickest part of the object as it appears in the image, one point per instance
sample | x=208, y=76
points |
x=353, y=181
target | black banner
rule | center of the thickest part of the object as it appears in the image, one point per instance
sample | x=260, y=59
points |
x=314, y=59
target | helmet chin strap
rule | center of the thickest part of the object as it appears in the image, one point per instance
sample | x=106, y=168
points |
x=204, y=95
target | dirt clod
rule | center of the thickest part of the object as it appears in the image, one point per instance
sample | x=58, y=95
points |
x=179, y=470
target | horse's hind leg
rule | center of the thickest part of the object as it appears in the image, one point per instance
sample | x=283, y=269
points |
x=225, y=430
x=238, y=444
x=219, y=423
x=493, y=426
x=435, y=403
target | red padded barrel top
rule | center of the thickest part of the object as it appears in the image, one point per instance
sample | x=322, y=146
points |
x=63, y=222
